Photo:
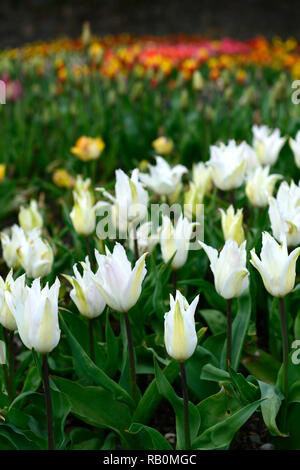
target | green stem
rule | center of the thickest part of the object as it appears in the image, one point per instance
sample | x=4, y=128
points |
x=174, y=282
x=8, y=337
x=135, y=241
x=48, y=403
x=187, y=436
x=131, y=355
x=285, y=353
x=229, y=333
x=8, y=389
x=91, y=339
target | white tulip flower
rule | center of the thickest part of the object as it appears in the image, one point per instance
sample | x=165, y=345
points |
x=176, y=240
x=267, y=144
x=229, y=268
x=228, y=164
x=30, y=217
x=295, y=146
x=11, y=245
x=146, y=240
x=36, y=313
x=85, y=294
x=180, y=331
x=83, y=214
x=276, y=266
x=16, y=288
x=232, y=224
x=118, y=283
x=284, y=213
x=163, y=179
x=202, y=177
x=36, y=255
x=260, y=186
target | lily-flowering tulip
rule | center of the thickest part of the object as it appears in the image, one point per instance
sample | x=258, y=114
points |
x=163, y=145
x=30, y=217
x=36, y=255
x=11, y=244
x=276, y=266
x=295, y=146
x=180, y=331
x=36, y=313
x=163, y=179
x=284, y=213
x=232, y=224
x=85, y=294
x=202, y=177
x=146, y=240
x=229, y=268
x=16, y=288
x=260, y=186
x=267, y=144
x=130, y=202
x=118, y=283
x=228, y=164
x=193, y=198
x=83, y=214
x=88, y=148
x=176, y=240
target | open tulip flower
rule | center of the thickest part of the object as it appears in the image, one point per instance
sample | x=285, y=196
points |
x=260, y=186
x=295, y=146
x=267, y=144
x=163, y=179
x=15, y=288
x=284, y=213
x=11, y=244
x=36, y=255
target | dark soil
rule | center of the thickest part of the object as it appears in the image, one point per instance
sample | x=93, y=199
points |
x=253, y=436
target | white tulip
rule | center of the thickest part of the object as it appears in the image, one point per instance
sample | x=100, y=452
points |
x=163, y=179
x=295, y=146
x=36, y=314
x=176, y=240
x=83, y=214
x=232, y=224
x=30, y=217
x=284, y=213
x=11, y=245
x=36, y=255
x=85, y=294
x=276, y=267
x=252, y=161
x=202, y=177
x=229, y=268
x=267, y=144
x=146, y=240
x=180, y=331
x=228, y=164
x=260, y=186
x=118, y=283
x=16, y=288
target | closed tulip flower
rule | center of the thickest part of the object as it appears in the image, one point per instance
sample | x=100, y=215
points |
x=87, y=148
x=228, y=165
x=260, y=186
x=11, y=244
x=16, y=288
x=284, y=213
x=193, y=198
x=30, y=217
x=145, y=238
x=163, y=179
x=267, y=144
x=202, y=178
x=85, y=294
x=276, y=266
x=229, y=268
x=36, y=255
x=163, y=145
x=118, y=283
x=83, y=214
x=295, y=146
x=180, y=331
x=232, y=224
x=176, y=240
x=36, y=315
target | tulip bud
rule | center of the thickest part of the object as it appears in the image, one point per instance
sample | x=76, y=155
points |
x=119, y=285
x=229, y=268
x=83, y=214
x=30, y=217
x=232, y=224
x=260, y=186
x=176, y=240
x=146, y=240
x=85, y=294
x=163, y=179
x=15, y=288
x=36, y=313
x=198, y=82
x=11, y=244
x=163, y=145
x=192, y=199
x=180, y=331
x=276, y=267
x=202, y=178
x=87, y=148
x=36, y=255
x=63, y=179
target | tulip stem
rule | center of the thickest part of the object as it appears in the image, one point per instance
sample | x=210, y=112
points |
x=135, y=241
x=7, y=382
x=229, y=333
x=131, y=355
x=174, y=282
x=285, y=353
x=8, y=337
x=187, y=436
x=48, y=403
x=91, y=338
